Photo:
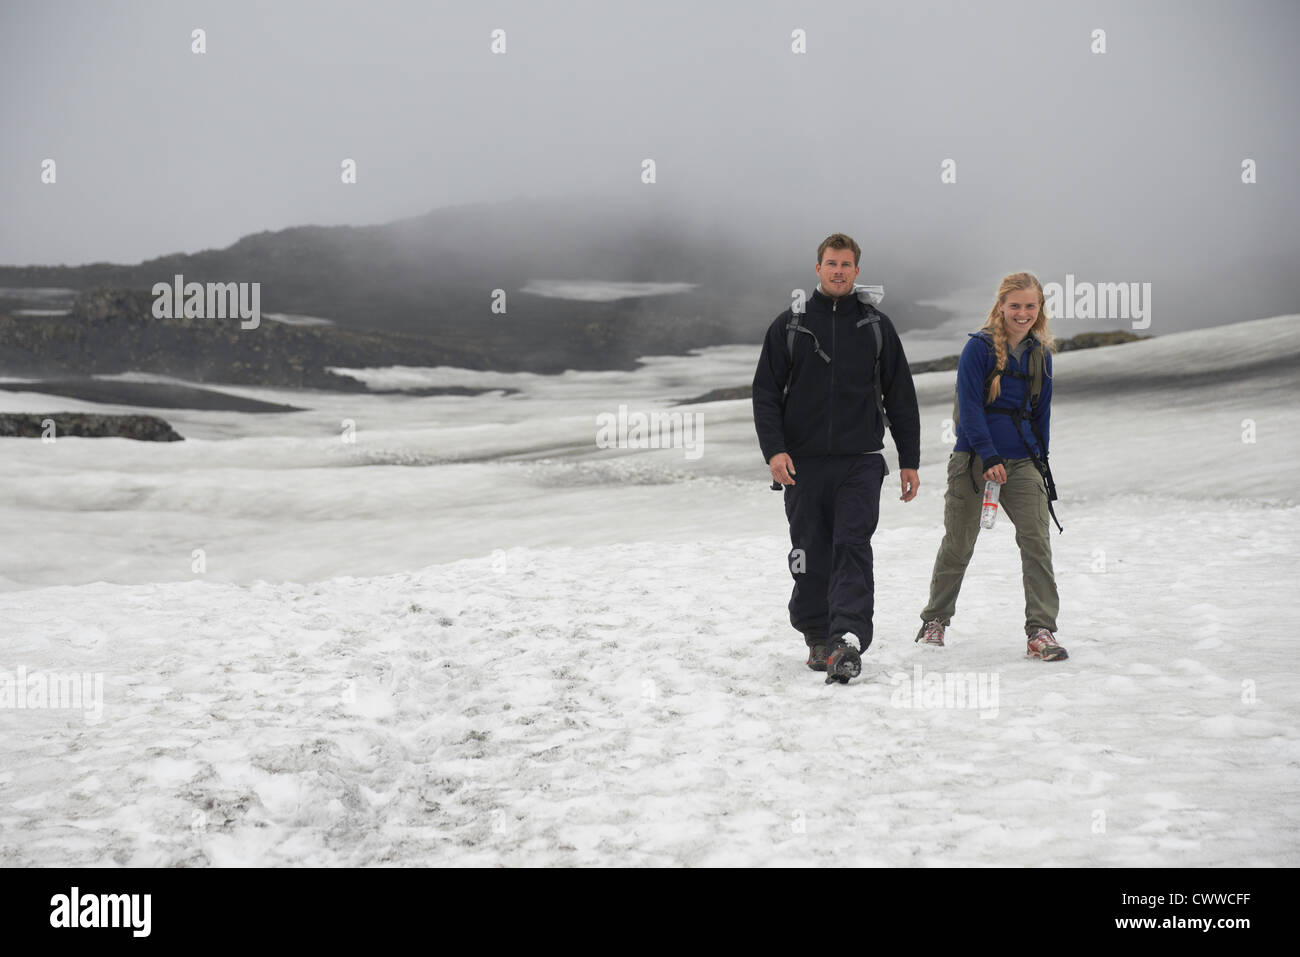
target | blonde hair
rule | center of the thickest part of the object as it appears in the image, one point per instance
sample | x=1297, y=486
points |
x=993, y=325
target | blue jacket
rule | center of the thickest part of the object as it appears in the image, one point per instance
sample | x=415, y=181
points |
x=994, y=437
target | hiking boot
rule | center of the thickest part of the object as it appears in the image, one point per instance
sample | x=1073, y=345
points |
x=1044, y=647
x=817, y=656
x=843, y=661
x=931, y=633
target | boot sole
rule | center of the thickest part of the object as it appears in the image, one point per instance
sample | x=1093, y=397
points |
x=843, y=665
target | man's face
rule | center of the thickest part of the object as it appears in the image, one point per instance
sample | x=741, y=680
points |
x=837, y=270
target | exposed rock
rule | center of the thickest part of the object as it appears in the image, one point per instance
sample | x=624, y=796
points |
x=145, y=428
x=110, y=331
x=946, y=364
x=1084, y=340
x=1092, y=340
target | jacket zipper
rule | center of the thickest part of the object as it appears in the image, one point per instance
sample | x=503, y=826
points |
x=830, y=404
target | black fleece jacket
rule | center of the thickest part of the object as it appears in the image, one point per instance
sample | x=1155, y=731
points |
x=831, y=409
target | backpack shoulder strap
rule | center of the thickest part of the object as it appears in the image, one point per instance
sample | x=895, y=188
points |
x=995, y=371
x=1033, y=375
x=872, y=315
x=792, y=327
x=1036, y=362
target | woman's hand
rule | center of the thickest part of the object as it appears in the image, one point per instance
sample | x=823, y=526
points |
x=996, y=474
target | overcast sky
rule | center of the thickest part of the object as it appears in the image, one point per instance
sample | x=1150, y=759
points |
x=1063, y=155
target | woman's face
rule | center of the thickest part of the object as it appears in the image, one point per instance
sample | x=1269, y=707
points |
x=1020, y=312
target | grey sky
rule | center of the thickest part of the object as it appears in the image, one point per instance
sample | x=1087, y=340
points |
x=1126, y=164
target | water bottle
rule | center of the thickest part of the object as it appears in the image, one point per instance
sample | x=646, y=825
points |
x=989, y=514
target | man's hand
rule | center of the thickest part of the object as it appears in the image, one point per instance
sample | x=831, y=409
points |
x=782, y=468
x=911, y=482
x=996, y=474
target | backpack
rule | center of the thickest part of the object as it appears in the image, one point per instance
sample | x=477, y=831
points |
x=1025, y=413
x=872, y=316
x=1032, y=391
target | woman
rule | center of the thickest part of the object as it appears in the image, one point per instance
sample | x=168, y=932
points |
x=1002, y=437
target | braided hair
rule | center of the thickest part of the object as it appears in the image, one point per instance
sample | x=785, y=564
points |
x=998, y=330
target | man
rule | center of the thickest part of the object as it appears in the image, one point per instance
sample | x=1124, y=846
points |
x=828, y=430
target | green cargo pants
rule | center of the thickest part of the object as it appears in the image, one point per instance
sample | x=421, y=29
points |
x=1024, y=500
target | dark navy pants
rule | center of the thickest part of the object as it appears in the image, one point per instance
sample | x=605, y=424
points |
x=833, y=509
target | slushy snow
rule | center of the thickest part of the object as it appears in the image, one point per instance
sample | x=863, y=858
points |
x=470, y=637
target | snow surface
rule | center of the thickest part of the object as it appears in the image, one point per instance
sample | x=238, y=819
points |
x=472, y=637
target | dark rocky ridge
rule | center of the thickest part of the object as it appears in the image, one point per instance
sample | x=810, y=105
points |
x=431, y=278
x=1084, y=340
x=111, y=331
x=145, y=428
